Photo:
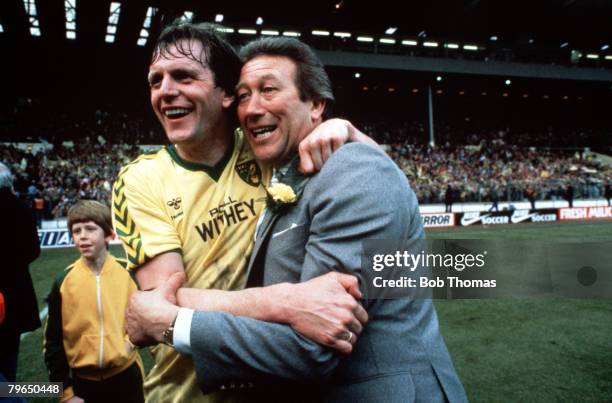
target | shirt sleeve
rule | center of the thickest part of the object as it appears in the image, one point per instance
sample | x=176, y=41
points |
x=182, y=331
x=140, y=218
x=53, y=347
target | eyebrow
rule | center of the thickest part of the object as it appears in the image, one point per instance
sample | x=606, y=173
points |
x=182, y=69
x=265, y=77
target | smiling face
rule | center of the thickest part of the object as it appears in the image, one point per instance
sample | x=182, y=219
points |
x=89, y=239
x=271, y=113
x=184, y=95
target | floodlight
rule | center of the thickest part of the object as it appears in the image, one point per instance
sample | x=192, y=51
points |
x=70, y=18
x=30, y=8
x=113, y=20
x=342, y=34
x=144, y=32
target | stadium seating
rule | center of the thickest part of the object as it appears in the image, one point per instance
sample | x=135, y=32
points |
x=80, y=158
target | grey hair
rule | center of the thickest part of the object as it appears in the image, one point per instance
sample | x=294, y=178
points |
x=6, y=177
x=311, y=79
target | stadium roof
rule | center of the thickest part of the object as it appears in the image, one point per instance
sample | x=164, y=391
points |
x=583, y=24
x=81, y=42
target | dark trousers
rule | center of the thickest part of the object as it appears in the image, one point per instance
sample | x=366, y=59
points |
x=8, y=356
x=10, y=399
x=8, y=363
x=125, y=387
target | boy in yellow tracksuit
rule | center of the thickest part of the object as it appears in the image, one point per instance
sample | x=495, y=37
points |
x=86, y=346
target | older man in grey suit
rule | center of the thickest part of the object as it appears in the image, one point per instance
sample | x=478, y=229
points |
x=314, y=225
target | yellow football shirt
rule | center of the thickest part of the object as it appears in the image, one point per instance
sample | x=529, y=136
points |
x=163, y=203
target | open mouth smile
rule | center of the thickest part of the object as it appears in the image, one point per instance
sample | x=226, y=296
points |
x=176, y=113
x=263, y=132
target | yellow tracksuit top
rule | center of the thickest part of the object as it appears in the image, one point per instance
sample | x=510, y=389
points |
x=85, y=330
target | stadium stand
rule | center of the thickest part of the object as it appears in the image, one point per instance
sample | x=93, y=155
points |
x=79, y=158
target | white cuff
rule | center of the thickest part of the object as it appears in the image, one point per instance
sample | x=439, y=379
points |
x=182, y=331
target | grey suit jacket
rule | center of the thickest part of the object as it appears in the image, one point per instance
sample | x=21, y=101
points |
x=400, y=356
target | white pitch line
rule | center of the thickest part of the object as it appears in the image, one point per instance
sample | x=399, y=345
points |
x=44, y=312
x=42, y=315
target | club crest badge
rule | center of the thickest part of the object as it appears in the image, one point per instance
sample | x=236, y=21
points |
x=249, y=172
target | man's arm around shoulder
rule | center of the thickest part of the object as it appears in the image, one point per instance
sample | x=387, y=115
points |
x=235, y=349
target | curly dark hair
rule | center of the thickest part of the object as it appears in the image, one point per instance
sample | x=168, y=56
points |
x=218, y=54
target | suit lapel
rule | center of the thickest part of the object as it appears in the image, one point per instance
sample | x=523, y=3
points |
x=269, y=219
x=297, y=181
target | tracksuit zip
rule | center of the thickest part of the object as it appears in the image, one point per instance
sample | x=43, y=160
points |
x=101, y=320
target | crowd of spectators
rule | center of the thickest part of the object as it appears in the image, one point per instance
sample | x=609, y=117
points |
x=461, y=133
x=488, y=165
x=79, y=159
x=30, y=120
x=52, y=180
x=497, y=171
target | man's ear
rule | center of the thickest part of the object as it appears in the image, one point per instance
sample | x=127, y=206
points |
x=316, y=112
x=227, y=100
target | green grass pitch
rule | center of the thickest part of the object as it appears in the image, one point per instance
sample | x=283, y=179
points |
x=504, y=350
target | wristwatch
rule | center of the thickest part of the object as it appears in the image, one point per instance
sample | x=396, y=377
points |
x=168, y=334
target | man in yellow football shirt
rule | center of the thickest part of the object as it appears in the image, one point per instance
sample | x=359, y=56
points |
x=193, y=207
